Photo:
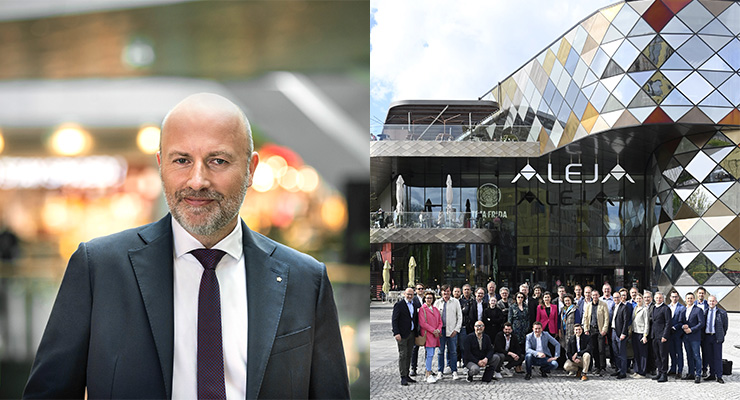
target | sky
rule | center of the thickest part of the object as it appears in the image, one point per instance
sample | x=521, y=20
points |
x=458, y=50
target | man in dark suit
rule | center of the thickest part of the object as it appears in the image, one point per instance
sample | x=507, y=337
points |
x=660, y=331
x=578, y=353
x=405, y=323
x=475, y=309
x=678, y=317
x=506, y=345
x=139, y=313
x=692, y=337
x=621, y=321
x=479, y=354
x=714, y=336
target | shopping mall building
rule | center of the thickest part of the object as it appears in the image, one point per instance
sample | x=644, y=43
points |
x=612, y=155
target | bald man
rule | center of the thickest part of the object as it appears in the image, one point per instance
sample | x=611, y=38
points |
x=175, y=309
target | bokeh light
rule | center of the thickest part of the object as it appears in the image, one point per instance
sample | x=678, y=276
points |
x=2, y=142
x=264, y=178
x=334, y=213
x=309, y=179
x=70, y=141
x=148, y=139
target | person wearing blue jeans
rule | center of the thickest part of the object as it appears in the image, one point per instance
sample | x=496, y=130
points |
x=538, y=352
x=452, y=319
x=694, y=319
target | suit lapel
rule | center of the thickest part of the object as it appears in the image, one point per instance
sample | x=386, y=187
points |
x=267, y=280
x=153, y=267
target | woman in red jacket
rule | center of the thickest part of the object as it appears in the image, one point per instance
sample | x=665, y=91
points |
x=430, y=321
x=547, y=314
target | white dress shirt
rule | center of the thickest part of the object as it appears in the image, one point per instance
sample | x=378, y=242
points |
x=232, y=281
x=539, y=348
x=688, y=311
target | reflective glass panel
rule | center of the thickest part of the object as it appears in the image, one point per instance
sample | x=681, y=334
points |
x=695, y=87
x=701, y=166
x=701, y=268
x=695, y=16
x=700, y=201
x=695, y=51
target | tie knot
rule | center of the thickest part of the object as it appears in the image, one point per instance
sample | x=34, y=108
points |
x=208, y=258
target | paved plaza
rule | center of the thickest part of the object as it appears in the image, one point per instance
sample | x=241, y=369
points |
x=385, y=382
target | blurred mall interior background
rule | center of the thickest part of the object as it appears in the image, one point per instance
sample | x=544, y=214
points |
x=84, y=85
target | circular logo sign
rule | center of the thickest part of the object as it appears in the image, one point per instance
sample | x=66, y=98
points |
x=489, y=195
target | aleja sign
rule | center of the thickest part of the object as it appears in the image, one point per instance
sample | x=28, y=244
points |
x=573, y=174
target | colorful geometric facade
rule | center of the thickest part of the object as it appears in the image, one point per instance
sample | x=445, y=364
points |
x=643, y=68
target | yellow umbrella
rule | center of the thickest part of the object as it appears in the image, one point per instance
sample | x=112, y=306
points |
x=386, y=277
x=412, y=272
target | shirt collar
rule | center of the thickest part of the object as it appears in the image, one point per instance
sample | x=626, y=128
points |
x=185, y=242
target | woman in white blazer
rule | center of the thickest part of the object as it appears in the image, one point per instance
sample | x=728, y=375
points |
x=640, y=336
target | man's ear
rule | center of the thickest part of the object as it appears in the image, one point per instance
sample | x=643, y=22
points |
x=254, y=160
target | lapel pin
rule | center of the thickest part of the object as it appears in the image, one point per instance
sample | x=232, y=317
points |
x=279, y=279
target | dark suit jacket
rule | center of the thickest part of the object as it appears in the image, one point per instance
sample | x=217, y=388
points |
x=572, y=348
x=678, y=319
x=401, y=320
x=112, y=326
x=499, y=344
x=720, y=324
x=623, y=319
x=695, y=323
x=661, y=322
x=473, y=353
x=473, y=314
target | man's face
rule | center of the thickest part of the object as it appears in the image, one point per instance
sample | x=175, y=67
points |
x=700, y=294
x=479, y=327
x=578, y=291
x=456, y=293
x=504, y=294
x=479, y=295
x=617, y=297
x=674, y=297
x=587, y=293
x=633, y=293
x=446, y=294
x=537, y=292
x=409, y=294
x=607, y=290
x=524, y=289
x=561, y=292
x=491, y=288
x=595, y=297
x=648, y=298
x=690, y=299
x=419, y=290
x=712, y=301
x=492, y=302
x=578, y=330
x=659, y=298
x=466, y=291
x=537, y=329
x=206, y=169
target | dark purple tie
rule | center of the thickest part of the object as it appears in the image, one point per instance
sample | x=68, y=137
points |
x=210, y=345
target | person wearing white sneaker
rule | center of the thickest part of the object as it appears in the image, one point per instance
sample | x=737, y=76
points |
x=506, y=346
x=452, y=319
x=454, y=376
x=479, y=354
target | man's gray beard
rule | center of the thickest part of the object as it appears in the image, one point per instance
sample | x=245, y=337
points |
x=226, y=209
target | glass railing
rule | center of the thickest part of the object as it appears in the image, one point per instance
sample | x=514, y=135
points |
x=444, y=133
x=421, y=219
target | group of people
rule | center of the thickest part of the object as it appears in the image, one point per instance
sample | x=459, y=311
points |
x=491, y=331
